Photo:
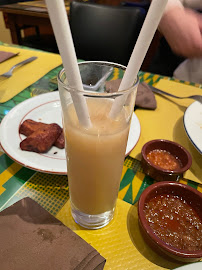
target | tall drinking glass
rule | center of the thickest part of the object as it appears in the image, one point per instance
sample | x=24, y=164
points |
x=95, y=155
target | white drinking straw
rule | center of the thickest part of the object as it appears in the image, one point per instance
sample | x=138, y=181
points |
x=61, y=28
x=145, y=37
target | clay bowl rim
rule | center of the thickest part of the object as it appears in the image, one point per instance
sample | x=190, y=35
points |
x=167, y=249
x=181, y=170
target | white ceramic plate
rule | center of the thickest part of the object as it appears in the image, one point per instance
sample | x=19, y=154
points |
x=44, y=108
x=193, y=124
x=192, y=266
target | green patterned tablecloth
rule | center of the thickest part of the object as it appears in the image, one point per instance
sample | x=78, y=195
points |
x=51, y=191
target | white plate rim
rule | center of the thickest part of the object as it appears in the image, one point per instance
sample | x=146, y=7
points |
x=60, y=164
x=189, y=266
x=188, y=128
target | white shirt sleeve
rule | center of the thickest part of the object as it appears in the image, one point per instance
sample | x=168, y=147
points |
x=195, y=4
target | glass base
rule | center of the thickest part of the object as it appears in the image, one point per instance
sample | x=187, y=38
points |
x=92, y=222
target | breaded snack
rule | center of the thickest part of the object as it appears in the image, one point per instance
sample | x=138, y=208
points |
x=29, y=126
x=60, y=142
x=42, y=139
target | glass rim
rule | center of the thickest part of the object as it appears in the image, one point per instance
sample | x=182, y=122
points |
x=97, y=94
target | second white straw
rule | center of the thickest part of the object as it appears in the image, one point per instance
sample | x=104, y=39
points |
x=145, y=37
x=62, y=32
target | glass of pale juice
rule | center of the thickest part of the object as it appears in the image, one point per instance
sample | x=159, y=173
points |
x=95, y=154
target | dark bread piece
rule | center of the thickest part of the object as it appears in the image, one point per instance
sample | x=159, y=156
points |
x=42, y=139
x=30, y=126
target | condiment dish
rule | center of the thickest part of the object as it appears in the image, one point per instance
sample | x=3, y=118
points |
x=174, y=150
x=171, y=221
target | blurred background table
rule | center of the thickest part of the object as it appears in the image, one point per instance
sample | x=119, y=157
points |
x=28, y=19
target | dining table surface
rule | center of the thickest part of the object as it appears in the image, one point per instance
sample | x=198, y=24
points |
x=20, y=15
x=120, y=242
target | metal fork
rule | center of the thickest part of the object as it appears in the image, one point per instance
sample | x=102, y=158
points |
x=8, y=74
x=195, y=97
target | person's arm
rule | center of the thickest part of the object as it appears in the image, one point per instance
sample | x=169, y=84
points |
x=182, y=29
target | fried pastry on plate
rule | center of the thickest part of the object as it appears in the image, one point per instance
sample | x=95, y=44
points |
x=60, y=142
x=29, y=126
x=42, y=139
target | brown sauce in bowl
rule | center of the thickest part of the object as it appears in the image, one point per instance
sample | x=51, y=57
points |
x=164, y=160
x=175, y=222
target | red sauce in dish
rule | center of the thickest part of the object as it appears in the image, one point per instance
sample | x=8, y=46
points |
x=164, y=160
x=175, y=222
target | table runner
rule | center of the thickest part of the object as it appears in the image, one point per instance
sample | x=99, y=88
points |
x=16, y=175
x=24, y=76
x=166, y=122
x=51, y=191
x=121, y=238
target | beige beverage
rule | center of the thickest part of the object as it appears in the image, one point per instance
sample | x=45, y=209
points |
x=95, y=157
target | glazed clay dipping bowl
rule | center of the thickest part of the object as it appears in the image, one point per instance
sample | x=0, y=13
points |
x=175, y=149
x=191, y=196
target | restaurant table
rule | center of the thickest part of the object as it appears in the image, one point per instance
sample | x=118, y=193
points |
x=31, y=13
x=25, y=16
x=120, y=242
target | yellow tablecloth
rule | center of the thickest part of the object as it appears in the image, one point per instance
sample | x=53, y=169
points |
x=27, y=74
x=166, y=122
x=120, y=241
